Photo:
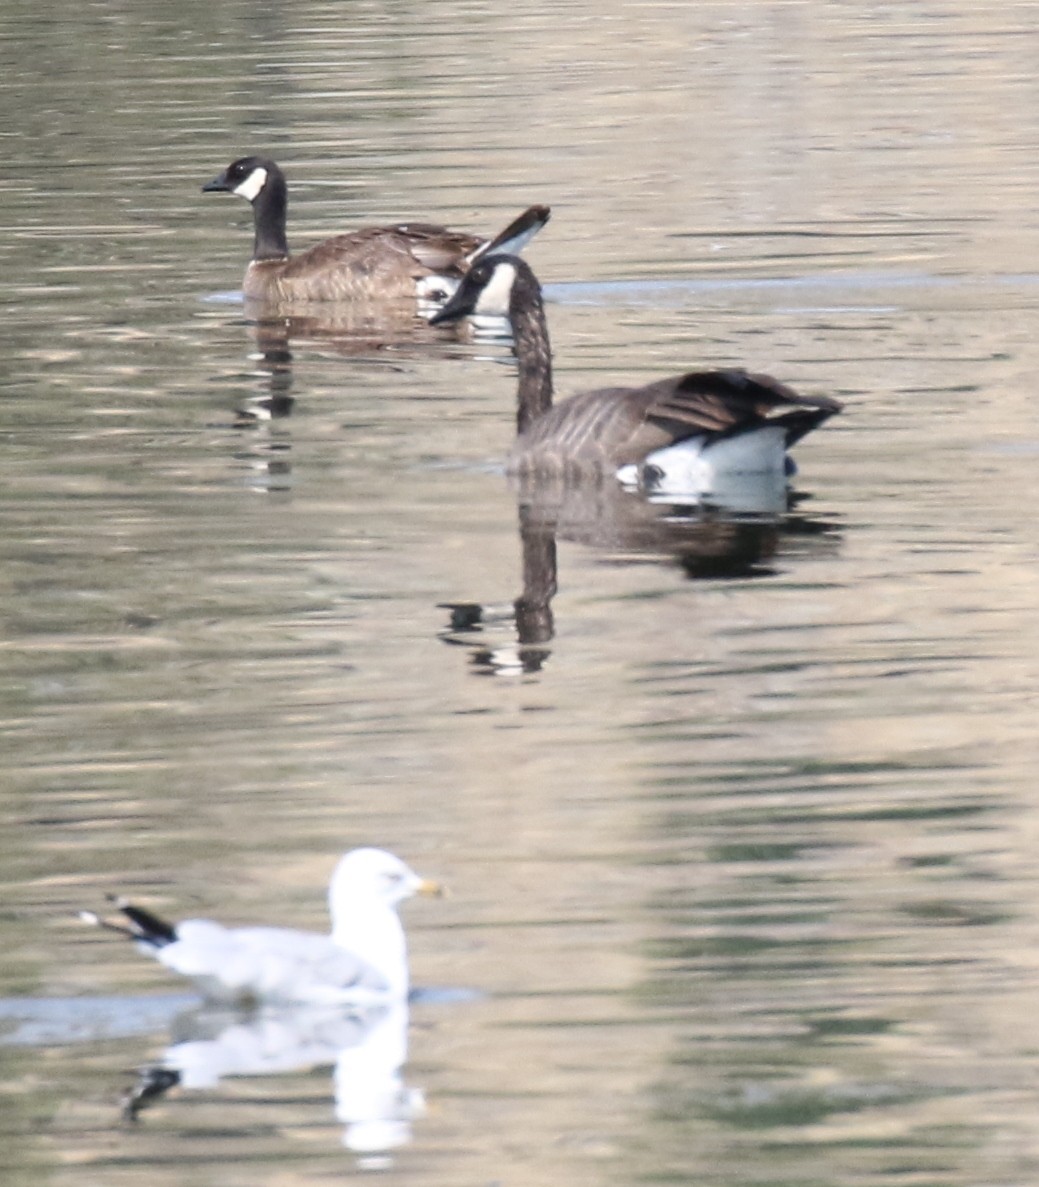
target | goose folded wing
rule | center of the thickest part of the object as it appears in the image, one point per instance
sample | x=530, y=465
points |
x=715, y=403
x=622, y=426
x=410, y=249
x=437, y=249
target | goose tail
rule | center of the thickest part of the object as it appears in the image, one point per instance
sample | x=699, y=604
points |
x=515, y=237
x=800, y=422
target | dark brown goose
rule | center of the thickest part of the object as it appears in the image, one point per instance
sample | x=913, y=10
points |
x=373, y=263
x=688, y=434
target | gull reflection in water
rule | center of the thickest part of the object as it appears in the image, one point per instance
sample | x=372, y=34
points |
x=365, y=1048
x=760, y=523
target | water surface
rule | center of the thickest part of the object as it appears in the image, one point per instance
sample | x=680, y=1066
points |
x=739, y=838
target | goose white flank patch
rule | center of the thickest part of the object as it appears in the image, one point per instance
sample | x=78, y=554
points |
x=699, y=435
x=362, y=961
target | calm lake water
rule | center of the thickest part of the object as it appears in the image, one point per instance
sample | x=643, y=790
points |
x=740, y=833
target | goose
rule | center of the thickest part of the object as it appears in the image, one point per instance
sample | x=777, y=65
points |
x=686, y=435
x=362, y=962
x=374, y=263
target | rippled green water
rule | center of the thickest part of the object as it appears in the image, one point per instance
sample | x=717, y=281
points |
x=740, y=836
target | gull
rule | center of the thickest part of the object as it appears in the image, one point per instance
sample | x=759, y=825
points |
x=362, y=962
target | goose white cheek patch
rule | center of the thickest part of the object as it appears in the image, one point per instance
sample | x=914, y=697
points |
x=494, y=300
x=252, y=184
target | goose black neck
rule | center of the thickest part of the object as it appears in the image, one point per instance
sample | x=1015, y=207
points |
x=534, y=621
x=270, y=208
x=533, y=350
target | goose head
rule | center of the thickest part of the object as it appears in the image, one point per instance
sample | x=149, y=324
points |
x=486, y=289
x=248, y=176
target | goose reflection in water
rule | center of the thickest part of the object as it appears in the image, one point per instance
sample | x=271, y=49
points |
x=706, y=541
x=366, y=1049
x=385, y=331
x=346, y=331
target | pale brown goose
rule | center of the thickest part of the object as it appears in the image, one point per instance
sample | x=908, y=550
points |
x=687, y=434
x=373, y=263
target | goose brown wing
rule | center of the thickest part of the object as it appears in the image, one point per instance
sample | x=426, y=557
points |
x=380, y=263
x=623, y=425
x=437, y=248
x=726, y=401
x=382, y=260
